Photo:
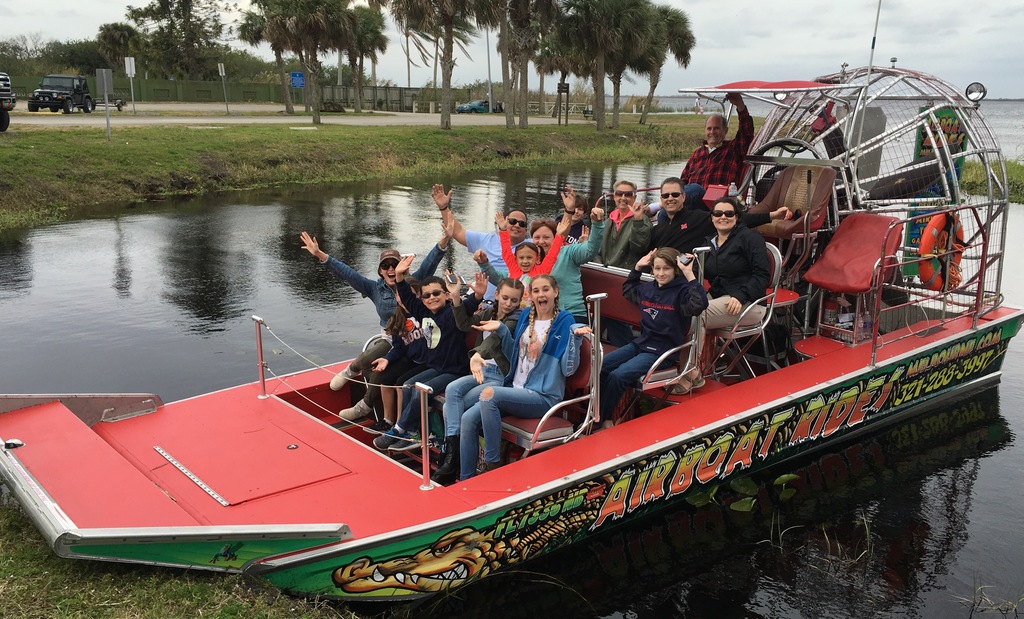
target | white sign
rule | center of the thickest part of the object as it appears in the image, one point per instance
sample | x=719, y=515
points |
x=129, y=66
x=220, y=69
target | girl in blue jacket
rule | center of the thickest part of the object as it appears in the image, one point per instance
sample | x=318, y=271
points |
x=667, y=304
x=542, y=352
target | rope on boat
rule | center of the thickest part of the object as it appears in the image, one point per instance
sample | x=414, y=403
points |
x=284, y=380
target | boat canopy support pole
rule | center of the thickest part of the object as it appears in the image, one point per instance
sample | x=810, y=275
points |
x=259, y=356
x=425, y=392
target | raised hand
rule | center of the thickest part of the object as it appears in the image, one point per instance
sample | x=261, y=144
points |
x=584, y=235
x=500, y=220
x=403, y=266
x=454, y=287
x=479, y=285
x=309, y=243
x=441, y=199
x=480, y=256
x=638, y=209
x=563, y=225
x=568, y=200
x=645, y=261
x=596, y=213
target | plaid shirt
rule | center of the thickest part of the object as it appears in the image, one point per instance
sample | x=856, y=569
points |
x=723, y=165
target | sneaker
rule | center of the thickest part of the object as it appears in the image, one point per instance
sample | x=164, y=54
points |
x=360, y=410
x=409, y=442
x=379, y=427
x=339, y=381
x=389, y=438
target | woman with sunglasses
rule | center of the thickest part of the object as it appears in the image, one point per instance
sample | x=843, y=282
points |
x=382, y=292
x=737, y=268
x=629, y=232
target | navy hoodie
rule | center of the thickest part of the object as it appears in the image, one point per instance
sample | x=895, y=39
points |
x=665, y=310
x=446, y=344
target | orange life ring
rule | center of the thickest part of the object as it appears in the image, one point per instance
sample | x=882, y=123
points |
x=940, y=255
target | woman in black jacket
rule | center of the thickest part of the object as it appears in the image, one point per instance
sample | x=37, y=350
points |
x=737, y=268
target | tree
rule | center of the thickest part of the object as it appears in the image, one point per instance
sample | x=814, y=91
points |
x=369, y=41
x=525, y=17
x=116, y=41
x=674, y=36
x=182, y=37
x=312, y=27
x=599, y=30
x=553, y=57
x=443, y=15
x=255, y=28
x=625, y=57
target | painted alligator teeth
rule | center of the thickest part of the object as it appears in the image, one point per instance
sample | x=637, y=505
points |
x=414, y=579
x=400, y=577
x=377, y=576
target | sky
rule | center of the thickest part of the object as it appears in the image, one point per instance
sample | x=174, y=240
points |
x=961, y=42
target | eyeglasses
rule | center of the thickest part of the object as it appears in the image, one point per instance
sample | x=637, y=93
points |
x=626, y=194
x=728, y=214
x=671, y=194
x=387, y=266
x=516, y=222
x=432, y=293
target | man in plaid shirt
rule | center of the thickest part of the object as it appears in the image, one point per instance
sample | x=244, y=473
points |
x=718, y=161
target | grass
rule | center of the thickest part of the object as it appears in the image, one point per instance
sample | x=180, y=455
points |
x=36, y=584
x=53, y=173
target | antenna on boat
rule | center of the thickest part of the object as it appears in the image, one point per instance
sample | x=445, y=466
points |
x=864, y=90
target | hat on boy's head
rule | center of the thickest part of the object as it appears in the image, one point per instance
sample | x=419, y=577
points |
x=389, y=254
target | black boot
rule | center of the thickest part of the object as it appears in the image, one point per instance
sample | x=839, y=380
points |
x=449, y=469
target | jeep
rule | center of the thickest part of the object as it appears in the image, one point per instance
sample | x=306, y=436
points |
x=62, y=92
x=7, y=102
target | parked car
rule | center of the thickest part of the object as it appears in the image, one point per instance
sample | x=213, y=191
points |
x=473, y=107
x=63, y=93
x=7, y=102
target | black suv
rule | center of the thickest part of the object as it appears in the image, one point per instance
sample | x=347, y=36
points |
x=62, y=92
x=7, y=102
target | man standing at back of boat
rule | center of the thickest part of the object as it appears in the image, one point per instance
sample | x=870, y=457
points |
x=718, y=161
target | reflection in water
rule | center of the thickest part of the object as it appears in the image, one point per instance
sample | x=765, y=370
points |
x=871, y=525
x=122, y=268
x=15, y=266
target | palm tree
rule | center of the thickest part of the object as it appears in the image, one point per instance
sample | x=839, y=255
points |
x=369, y=41
x=674, y=36
x=312, y=27
x=254, y=29
x=600, y=30
x=442, y=15
x=525, y=18
x=552, y=57
x=116, y=41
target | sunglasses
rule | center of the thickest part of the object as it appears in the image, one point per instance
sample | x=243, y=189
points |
x=627, y=194
x=387, y=266
x=728, y=214
x=671, y=194
x=432, y=293
x=516, y=222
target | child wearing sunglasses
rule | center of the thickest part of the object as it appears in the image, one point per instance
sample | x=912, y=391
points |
x=445, y=356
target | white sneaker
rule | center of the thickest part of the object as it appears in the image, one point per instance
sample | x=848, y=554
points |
x=360, y=410
x=339, y=381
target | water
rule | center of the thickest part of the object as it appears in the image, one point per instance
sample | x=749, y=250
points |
x=159, y=298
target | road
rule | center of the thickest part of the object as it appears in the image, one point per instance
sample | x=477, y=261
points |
x=241, y=113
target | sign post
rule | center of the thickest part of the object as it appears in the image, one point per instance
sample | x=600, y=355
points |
x=129, y=69
x=299, y=81
x=105, y=84
x=563, y=95
x=224, y=86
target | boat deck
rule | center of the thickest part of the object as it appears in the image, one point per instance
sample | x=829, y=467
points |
x=231, y=458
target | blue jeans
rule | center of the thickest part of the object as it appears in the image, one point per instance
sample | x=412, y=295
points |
x=409, y=420
x=694, y=196
x=622, y=368
x=463, y=391
x=486, y=414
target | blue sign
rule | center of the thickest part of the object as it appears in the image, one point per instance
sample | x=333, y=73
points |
x=298, y=80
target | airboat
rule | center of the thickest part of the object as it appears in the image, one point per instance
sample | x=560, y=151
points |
x=887, y=283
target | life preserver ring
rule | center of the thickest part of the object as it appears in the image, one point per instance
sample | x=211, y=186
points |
x=942, y=246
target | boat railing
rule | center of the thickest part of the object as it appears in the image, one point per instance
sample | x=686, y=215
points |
x=902, y=301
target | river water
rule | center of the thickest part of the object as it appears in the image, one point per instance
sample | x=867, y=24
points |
x=159, y=298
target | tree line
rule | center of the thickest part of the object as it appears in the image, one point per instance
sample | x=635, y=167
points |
x=185, y=39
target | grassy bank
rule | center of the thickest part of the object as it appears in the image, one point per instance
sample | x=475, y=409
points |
x=49, y=173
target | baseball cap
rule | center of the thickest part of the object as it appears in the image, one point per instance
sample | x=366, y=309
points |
x=389, y=254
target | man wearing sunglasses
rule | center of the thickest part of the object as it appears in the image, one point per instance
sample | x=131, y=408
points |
x=518, y=230
x=718, y=161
